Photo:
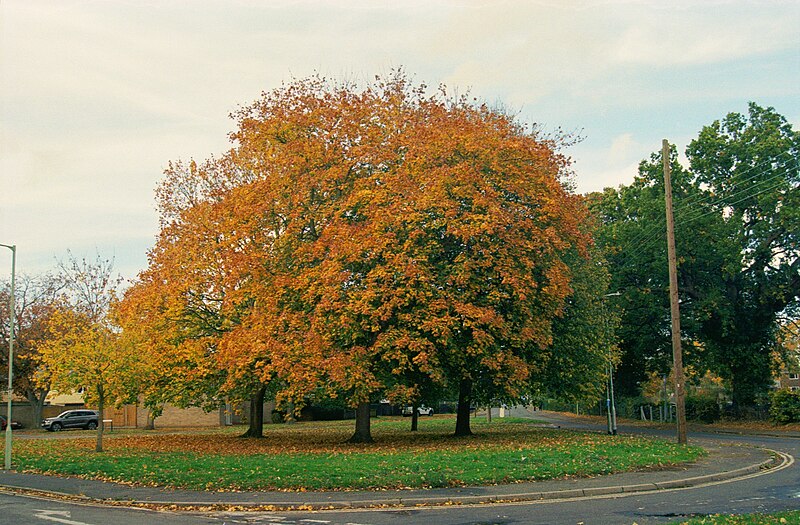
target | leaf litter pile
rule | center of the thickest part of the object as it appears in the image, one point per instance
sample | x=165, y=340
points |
x=315, y=456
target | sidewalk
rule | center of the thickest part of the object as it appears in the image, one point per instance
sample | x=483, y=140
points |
x=597, y=423
x=723, y=462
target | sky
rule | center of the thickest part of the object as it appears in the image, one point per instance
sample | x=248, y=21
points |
x=99, y=96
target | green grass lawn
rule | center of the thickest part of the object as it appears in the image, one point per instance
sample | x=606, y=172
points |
x=315, y=456
x=780, y=518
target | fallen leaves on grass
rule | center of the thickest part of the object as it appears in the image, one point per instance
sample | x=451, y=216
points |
x=315, y=456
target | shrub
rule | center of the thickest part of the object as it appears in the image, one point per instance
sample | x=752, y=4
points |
x=630, y=407
x=278, y=417
x=785, y=406
x=702, y=408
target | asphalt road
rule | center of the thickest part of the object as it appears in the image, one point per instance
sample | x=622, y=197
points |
x=769, y=492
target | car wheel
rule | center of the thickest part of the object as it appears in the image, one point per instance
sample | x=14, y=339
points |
x=91, y=425
x=55, y=427
x=430, y=413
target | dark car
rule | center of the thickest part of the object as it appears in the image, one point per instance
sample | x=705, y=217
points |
x=14, y=424
x=87, y=419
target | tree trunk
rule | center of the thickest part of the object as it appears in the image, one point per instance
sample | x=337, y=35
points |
x=101, y=406
x=36, y=399
x=463, y=411
x=489, y=413
x=290, y=418
x=748, y=367
x=362, y=433
x=256, y=419
x=151, y=421
x=414, y=418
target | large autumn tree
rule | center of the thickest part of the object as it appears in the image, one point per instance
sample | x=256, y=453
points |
x=737, y=214
x=370, y=241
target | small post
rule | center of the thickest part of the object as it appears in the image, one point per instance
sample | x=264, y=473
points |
x=613, y=404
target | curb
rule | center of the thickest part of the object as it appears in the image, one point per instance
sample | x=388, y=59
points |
x=777, y=460
x=733, y=432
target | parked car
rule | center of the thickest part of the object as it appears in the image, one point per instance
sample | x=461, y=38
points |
x=422, y=410
x=87, y=419
x=14, y=424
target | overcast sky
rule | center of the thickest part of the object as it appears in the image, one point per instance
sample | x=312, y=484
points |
x=98, y=96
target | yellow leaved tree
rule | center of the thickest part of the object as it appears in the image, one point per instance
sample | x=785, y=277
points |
x=83, y=350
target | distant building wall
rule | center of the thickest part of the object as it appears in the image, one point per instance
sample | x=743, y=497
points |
x=789, y=380
x=23, y=413
x=173, y=416
x=135, y=416
x=124, y=416
x=60, y=399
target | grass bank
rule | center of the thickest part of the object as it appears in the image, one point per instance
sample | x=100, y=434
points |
x=780, y=518
x=315, y=456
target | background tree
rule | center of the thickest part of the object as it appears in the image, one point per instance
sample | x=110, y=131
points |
x=36, y=301
x=788, y=351
x=584, y=337
x=81, y=350
x=633, y=235
x=736, y=210
x=181, y=311
x=750, y=164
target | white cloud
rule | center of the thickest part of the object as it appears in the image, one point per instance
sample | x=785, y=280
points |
x=590, y=180
x=621, y=148
x=699, y=35
x=98, y=96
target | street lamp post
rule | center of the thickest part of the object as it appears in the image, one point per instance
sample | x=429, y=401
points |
x=13, y=249
x=610, y=404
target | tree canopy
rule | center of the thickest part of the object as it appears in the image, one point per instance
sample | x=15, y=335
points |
x=362, y=243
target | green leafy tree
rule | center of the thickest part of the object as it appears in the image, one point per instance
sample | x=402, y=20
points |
x=750, y=165
x=737, y=221
x=633, y=234
x=584, y=337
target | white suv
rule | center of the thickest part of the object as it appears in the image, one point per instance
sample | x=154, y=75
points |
x=422, y=410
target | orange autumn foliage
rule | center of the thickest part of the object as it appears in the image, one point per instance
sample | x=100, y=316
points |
x=360, y=242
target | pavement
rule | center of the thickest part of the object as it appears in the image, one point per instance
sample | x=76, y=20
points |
x=724, y=461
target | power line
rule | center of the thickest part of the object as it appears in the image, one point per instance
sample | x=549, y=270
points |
x=720, y=199
x=751, y=168
x=644, y=240
x=764, y=190
x=644, y=237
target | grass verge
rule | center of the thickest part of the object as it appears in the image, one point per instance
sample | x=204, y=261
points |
x=315, y=456
x=780, y=518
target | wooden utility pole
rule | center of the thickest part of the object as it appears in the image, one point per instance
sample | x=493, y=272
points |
x=677, y=355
